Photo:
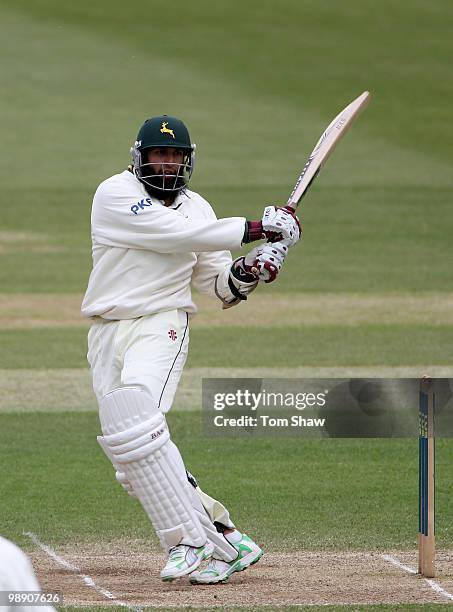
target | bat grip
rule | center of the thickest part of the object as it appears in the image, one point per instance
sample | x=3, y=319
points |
x=292, y=205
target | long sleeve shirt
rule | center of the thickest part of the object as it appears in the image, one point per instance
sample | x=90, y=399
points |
x=148, y=256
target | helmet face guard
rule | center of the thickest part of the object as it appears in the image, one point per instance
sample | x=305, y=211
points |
x=160, y=178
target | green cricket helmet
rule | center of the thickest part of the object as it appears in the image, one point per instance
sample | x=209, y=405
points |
x=160, y=133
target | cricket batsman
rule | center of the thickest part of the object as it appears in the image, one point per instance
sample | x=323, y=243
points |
x=153, y=241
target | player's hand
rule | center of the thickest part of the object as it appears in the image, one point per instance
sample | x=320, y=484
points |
x=266, y=261
x=281, y=224
x=277, y=224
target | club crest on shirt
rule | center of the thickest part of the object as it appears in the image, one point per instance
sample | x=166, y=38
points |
x=172, y=335
x=138, y=206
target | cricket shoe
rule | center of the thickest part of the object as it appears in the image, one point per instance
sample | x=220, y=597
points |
x=183, y=560
x=219, y=571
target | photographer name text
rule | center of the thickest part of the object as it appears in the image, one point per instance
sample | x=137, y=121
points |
x=263, y=420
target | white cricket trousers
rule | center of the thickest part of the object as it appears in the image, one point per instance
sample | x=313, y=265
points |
x=148, y=352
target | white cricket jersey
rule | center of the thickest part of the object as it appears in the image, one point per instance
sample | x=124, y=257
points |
x=146, y=256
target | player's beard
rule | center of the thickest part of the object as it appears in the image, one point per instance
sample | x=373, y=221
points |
x=170, y=182
x=163, y=185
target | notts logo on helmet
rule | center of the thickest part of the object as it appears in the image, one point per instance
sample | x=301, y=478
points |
x=136, y=208
x=165, y=130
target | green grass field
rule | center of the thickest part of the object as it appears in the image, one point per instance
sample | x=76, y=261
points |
x=369, y=289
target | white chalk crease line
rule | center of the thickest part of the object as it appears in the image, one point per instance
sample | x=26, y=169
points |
x=73, y=568
x=432, y=583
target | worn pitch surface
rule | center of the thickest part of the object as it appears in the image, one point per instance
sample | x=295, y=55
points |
x=302, y=578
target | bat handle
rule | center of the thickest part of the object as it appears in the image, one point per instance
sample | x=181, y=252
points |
x=290, y=204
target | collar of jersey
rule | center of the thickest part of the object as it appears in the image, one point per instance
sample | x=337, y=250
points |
x=180, y=199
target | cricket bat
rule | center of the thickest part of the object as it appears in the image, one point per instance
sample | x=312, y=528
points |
x=324, y=147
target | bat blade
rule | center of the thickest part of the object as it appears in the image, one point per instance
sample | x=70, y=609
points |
x=324, y=147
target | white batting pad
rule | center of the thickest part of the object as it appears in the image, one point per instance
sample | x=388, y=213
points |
x=138, y=439
x=119, y=474
x=215, y=510
x=222, y=548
